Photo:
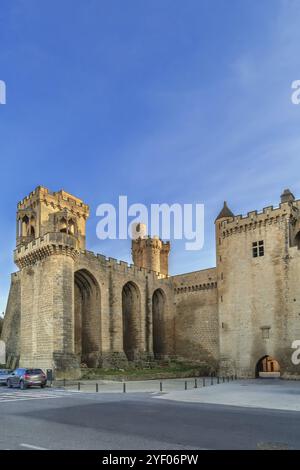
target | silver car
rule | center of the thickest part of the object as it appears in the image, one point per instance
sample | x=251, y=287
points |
x=4, y=374
x=25, y=378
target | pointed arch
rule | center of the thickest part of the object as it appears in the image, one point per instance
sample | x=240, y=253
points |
x=158, y=322
x=131, y=315
x=87, y=308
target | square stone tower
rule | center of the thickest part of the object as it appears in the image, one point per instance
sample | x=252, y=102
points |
x=50, y=236
x=258, y=270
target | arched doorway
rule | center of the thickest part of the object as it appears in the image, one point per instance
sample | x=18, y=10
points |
x=267, y=366
x=131, y=312
x=297, y=240
x=158, y=323
x=87, y=310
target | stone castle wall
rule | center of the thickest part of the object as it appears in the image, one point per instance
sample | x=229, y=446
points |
x=11, y=326
x=68, y=305
x=258, y=296
x=196, y=317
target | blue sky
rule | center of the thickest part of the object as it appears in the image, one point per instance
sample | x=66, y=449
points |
x=161, y=100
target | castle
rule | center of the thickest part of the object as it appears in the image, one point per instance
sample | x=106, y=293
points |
x=69, y=306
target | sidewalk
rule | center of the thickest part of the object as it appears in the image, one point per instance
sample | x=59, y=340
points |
x=145, y=386
x=259, y=393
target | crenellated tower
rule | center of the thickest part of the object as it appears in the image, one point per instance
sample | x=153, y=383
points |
x=50, y=236
x=150, y=252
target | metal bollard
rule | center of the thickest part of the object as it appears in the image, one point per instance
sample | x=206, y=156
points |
x=97, y=388
x=196, y=384
x=203, y=381
x=160, y=386
x=211, y=380
x=218, y=380
x=232, y=378
x=228, y=378
x=78, y=386
x=124, y=387
x=64, y=382
x=235, y=377
x=223, y=379
x=185, y=385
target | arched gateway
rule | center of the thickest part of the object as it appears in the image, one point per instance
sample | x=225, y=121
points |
x=158, y=325
x=87, y=314
x=131, y=315
x=267, y=366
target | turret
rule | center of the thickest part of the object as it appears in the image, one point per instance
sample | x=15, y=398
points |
x=224, y=214
x=150, y=253
x=287, y=196
x=45, y=212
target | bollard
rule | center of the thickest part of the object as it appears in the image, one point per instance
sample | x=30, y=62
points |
x=196, y=384
x=218, y=380
x=203, y=381
x=228, y=378
x=78, y=386
x=223, y=379
x=97, y=388
x=124, y=387
x=64, y=382
x=185, y=385
x=160, y=386
x=235, y=377
x=211, y=380
x=232, y=378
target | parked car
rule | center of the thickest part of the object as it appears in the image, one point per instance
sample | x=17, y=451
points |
x=4, y=374
x=24, y=378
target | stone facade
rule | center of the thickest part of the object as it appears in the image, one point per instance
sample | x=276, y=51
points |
x=69, y=306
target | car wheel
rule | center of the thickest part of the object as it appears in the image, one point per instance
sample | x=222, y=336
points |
x=22, y=385
x=43, y=385
x=9, y=384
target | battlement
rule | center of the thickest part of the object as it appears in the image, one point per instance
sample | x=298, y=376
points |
x=151, y=241
x=195, y=287
x=204, y=279
x=41, y=193
x=122, y=266
x=51, y=243
x=268, y=215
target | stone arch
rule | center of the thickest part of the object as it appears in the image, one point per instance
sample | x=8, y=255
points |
x=87, y=313
x=63, y=226
x=25, y=225
x=32, y=226
x=71, y=227
x=297, y=240
x=158, y=322
x=267, y=366
x=131, y=317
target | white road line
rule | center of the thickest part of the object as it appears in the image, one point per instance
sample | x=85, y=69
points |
x=30, y=446
x=15, y=396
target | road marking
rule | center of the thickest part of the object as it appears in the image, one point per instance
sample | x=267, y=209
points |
x=14, y=396
x=30, y=446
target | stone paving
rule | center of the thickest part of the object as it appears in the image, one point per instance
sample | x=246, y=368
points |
x=273, y=394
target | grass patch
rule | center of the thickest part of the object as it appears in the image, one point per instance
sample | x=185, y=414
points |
x=174, y=369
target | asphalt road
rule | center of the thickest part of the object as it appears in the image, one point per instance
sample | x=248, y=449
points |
x=51, y=419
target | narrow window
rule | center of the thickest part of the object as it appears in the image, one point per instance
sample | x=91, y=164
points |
x=258, y=249
x=254, y=249
x=261, y=248
x=265, y=332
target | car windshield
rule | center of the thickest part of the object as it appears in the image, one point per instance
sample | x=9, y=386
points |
x=34, y=371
